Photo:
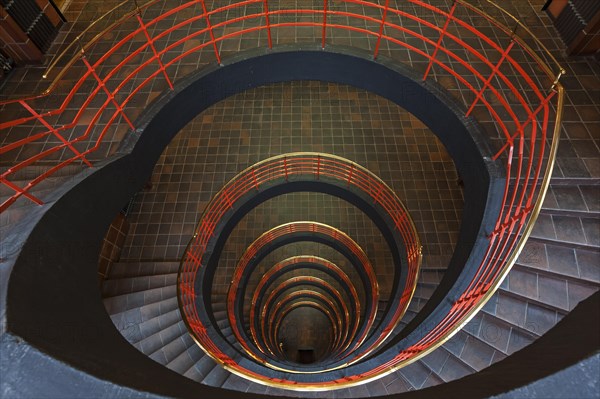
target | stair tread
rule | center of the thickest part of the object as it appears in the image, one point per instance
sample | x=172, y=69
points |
x=121, y=286
x=155, y=342
x=171, y=350
x=188, y=357
x=216, y=377
x=121, y=303
x=123, y=269
x=200, y=368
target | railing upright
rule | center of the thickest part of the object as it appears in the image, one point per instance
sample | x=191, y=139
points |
x=439, y=42
x=381, y=26
x=489, y=79
x=268, y=22
x=151, y=44
x=210, y=30
x=324, y=31
x=102, y=85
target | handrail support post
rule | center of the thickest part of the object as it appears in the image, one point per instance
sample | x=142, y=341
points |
x=380, y=34
x=268, y=22
x=324, y=33
x=55, y=132
x=156, y=55
x=210, y=31
x=439, y=42
x=110, y=95
x=489, y=79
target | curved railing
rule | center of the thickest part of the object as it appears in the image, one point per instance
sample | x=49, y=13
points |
x=340, y=310
x=288, y=265
x=314, y=228
x=282, y=307
x=116, y=86
x=285, y=170
x=507, y=77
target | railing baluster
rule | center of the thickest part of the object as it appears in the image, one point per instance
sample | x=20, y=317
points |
x=489, y=79
x=520, y=130
x=151, y=44
x=106, y=91
x=380, y=34
x=318, y=166
x=55, y=132
x=268, y=21
x=21, y=191
x=324, y=33
x=439, y=42
x=254, y=179
x=210, y=31
x=350, y=175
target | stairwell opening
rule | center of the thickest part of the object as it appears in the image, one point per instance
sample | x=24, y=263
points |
x=455, y=180
x=145, y=151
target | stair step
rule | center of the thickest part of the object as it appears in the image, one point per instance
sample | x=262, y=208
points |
x=453, y=367
x=577, y=265
x=154, y=342
x=481, y=342
x=219, y=307
x=425, y=290
x=171, y=350
x=575, y=198
x=236, y=383
x=414, y=306
x=395, y=382
x=576, y=243
x=562, y=212
x=557, y=305
x=416, y=373
x=227, y=332
x=431, y=276
x=200, y=369
x=560, y=259
x=220, y=315
x=223, y=323
x=115, y=287
x=216, y=377
x=122, y=303
x=125, y=269
x=408, y=316
x=156, y=324
x=138, y=323
x=188, y=357
x=238, y=346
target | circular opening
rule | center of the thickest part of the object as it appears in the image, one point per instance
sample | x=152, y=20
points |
x=305, y=335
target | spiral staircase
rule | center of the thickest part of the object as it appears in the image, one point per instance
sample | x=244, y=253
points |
x=497, y=305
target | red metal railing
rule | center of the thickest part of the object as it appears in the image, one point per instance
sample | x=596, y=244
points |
x=281, y=169
x=289, y=264
x=300, y=227
x=342, y=315
x=501, y=78
x=272, y=326
x=309, y=302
